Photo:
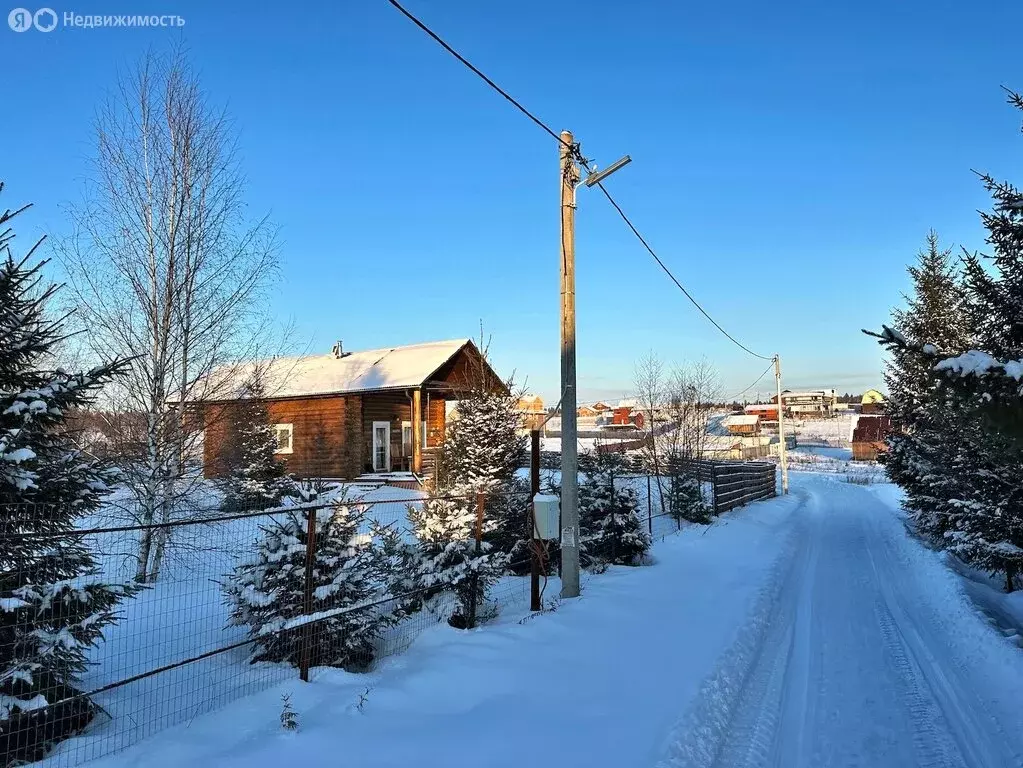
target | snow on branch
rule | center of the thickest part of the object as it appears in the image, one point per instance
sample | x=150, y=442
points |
x=972, y=363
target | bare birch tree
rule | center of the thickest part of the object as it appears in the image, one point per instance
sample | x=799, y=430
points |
x=649, y=383
x=166, y=270
x=692, y=390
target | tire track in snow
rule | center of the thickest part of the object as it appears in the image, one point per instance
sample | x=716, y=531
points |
x=971, y=733
x=741, y=673
x=777, y=689
x=934, y=747
x=847, y=660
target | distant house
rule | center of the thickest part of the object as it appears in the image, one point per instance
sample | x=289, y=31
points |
x=586, y=412
x=813, y=403
x=766, y=411
x=532, y=410
x=742, y=425
x=600, y=406
x=738, y=447
x=625, y=416
x=721, y=447
x=869, y=437
x=348, y=413
x=872, y=402
x=530, y=404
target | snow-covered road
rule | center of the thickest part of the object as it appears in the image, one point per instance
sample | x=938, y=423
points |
x=806, y=631
x=866, y=655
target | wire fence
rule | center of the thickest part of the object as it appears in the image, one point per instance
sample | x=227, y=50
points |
x=188, y=636
x=179, y=647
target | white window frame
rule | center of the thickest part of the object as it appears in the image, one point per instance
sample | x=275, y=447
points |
x=290, y=428
x=387, y=446
x=423, y=432
x=407, y=425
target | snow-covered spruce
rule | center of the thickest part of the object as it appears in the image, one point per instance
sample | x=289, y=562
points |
x=684, y=499
x=483, y=448
x=609, y=524
x=267, y=592
x=973, y=460
x=257, y=478
x=933, y=426
x=401, y=565
x=455, y=569
x=54, y=604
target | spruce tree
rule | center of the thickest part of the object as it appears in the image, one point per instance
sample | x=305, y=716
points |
x=482, y=451
x=401, y=562
x=453, y=560
x=685, y=498
x=258, y=478
x=54, y=601
x=981, y=454
x=610, y=529
x=992, y=536
x=267, y=592
x=927, y=414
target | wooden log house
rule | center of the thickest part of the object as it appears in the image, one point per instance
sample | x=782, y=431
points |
x=349, y=413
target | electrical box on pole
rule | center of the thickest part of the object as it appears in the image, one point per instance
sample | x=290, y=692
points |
x=546, y=517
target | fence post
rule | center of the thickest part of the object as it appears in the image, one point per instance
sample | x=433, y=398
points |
x=614, y=529
x=534, y=543
x=307, y=629
x=474, y=579
x=714, y=488
x=649, y=508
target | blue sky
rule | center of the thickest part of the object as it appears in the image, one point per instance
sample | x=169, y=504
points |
x=788, y=160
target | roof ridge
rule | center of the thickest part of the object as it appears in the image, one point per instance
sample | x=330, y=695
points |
x=385, y=350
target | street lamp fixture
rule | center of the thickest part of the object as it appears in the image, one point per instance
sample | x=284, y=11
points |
x=598, y=176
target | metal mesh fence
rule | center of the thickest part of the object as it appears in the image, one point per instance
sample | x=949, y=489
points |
x=177, y=648
x=174, y=652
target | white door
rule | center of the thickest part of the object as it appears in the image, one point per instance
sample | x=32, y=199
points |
x=381, y=446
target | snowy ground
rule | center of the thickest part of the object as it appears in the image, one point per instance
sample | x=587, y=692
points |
x=835, y=432
x=802, y=631
x=834, y=462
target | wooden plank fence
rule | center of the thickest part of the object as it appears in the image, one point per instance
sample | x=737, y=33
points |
x=735, y=483
x=739, y=483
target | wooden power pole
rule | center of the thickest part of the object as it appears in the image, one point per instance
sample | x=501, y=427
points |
x=569, y=442
x=783, y=458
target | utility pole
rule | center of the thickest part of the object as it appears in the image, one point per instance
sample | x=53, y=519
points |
x=569, y=443
x=569, y=154
x=782, y=455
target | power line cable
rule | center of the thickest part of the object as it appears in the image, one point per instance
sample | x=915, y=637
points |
x=480, y=74
x=736, y=397
x=578, y=155
x=674, y=279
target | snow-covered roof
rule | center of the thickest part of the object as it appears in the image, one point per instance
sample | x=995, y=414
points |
x=741, y=421
x=809, y=393
x=366, y=371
